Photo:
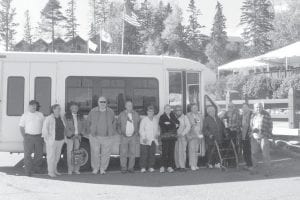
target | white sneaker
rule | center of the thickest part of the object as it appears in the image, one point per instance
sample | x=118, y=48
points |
x=162, y=170
x=170, y=169
x=77, y=172
x=143, y=170
x=52, y=175
x=102, y=172
x=95, y=171
x=197, y=168
x=193, y=168
x=218, y=165
x=70, y=172
x=57, y=173
x=151, y=169
x=210, y=166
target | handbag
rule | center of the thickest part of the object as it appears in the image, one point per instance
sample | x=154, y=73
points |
x=78, y=156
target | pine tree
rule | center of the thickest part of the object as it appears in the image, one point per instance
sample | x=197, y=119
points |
x=146, y=18
x=92, y=31
x=160, y=15
x=216, y=50
x=193, y=33
x=100, y=10
x=156, y=45
x=173, y=35
x=28, y=30
x=7, y=24
x=71, y=22
x=132, y=43
x=257, y=19
x=51, y=19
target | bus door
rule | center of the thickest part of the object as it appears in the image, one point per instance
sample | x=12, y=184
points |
x=43, y=85
x=185, y=89
x=15, y=97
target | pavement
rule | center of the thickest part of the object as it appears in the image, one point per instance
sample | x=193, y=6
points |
x=207, y=184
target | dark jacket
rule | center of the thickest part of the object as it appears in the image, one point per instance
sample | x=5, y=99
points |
x=95, y=126
x=70, y=127
x=168, y=126
x=213, y=127
x=246, y=129
x=122, y=121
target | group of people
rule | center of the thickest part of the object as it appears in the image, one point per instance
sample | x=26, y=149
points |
x=177, y=132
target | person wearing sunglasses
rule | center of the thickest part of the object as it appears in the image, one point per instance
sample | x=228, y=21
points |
x=102, y=128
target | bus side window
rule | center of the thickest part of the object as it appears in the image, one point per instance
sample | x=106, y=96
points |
x=193, y=89
x=15, y=95
x=143, y=91
x=42, y=93
x=175, y=88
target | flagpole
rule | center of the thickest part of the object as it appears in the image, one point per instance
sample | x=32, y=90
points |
x=123, y=29
x=100, y=39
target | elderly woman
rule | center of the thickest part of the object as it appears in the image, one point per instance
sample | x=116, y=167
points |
x=149, y=133
x=213, y=129
x=232, y=120
x=168, y=126
x=196, y=143
x=54, y=137
x=75, y=128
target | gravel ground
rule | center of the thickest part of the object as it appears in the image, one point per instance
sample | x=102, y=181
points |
x=205, y=184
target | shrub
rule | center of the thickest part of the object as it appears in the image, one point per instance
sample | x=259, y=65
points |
x=287, y=83
x=237, y=82
x=261, y=86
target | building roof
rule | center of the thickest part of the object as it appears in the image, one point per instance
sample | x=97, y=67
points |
x=235, y=39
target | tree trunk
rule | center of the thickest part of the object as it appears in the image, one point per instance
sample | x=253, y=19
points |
x=52, y=32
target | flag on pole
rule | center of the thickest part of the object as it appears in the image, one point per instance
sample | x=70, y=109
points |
x=92, y=45
x=105, y=36
x=131, y=17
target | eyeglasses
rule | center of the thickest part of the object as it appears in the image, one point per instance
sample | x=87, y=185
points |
x=102, y=101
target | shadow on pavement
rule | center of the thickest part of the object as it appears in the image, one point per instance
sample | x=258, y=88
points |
x=283, y=167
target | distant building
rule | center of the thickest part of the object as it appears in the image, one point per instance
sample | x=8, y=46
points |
x=22, y=46
x=78, y=45
x=59, y=45
x=235, y=40
x=40, y=46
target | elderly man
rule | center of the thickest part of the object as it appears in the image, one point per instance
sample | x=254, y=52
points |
x=213, y=129
x=128, y=128
x=261, y=131
x=181, y=143
x=246, y=119
x=31, y=124
x=102, y=123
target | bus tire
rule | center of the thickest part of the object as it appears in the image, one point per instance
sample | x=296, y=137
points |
x=85, y=145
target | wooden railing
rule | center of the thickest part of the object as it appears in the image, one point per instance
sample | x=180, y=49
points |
x=278, y=108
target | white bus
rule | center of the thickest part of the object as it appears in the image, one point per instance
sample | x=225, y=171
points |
x=61, y=78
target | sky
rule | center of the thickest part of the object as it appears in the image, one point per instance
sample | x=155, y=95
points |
x=231, y=10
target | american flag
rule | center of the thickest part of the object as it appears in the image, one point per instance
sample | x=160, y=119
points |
x=131, y=17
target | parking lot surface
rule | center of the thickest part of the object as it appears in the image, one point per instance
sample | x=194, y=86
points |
x=203, y=184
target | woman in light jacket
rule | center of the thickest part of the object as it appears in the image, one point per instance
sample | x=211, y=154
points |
x=196, y=141
x=54, y=137
x=75, y=129
x=149, y=133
